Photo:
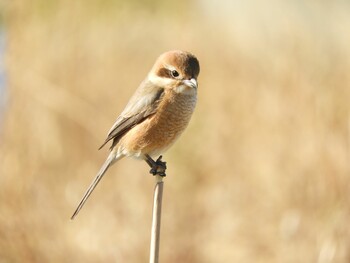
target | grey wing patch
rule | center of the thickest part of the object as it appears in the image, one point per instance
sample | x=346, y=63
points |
x=124, y=124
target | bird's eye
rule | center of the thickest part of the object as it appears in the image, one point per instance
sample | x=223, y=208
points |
x=174, y=73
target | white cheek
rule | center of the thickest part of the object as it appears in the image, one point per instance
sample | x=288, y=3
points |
x=160, y=81
x=166, y=82
x=184, y=89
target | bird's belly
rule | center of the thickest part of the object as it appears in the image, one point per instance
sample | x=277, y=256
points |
x=157, y=133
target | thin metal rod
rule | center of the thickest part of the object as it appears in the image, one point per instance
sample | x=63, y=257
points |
x=156, y=218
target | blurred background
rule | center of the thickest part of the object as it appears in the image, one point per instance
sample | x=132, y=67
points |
x=262, y=173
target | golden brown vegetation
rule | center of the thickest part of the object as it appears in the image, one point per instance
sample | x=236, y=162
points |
x=262, y=173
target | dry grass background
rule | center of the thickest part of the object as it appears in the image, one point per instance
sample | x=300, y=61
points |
x=261, y=174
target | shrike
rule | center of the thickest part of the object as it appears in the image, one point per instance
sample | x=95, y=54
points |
x=155, y=116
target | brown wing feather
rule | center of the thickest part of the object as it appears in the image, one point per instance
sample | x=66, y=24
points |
x=126, y=123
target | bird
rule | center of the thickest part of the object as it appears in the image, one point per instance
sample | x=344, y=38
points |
x=155, y=116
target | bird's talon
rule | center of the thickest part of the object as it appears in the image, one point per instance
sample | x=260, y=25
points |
x=162, y=174
x=157, y=167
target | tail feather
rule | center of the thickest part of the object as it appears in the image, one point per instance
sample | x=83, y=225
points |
x=110, y=160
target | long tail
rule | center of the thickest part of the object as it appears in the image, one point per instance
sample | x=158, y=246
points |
x=110, y=160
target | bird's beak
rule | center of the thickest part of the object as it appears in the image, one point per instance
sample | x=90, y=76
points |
x=192, y=83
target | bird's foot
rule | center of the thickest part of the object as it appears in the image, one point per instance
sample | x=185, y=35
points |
x=157, y=167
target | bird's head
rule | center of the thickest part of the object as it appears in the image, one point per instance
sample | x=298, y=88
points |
x=177, y=70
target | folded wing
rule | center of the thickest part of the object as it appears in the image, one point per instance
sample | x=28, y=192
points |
x=141, y=106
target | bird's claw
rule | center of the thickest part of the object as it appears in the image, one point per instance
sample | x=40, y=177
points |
x=158, y=167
